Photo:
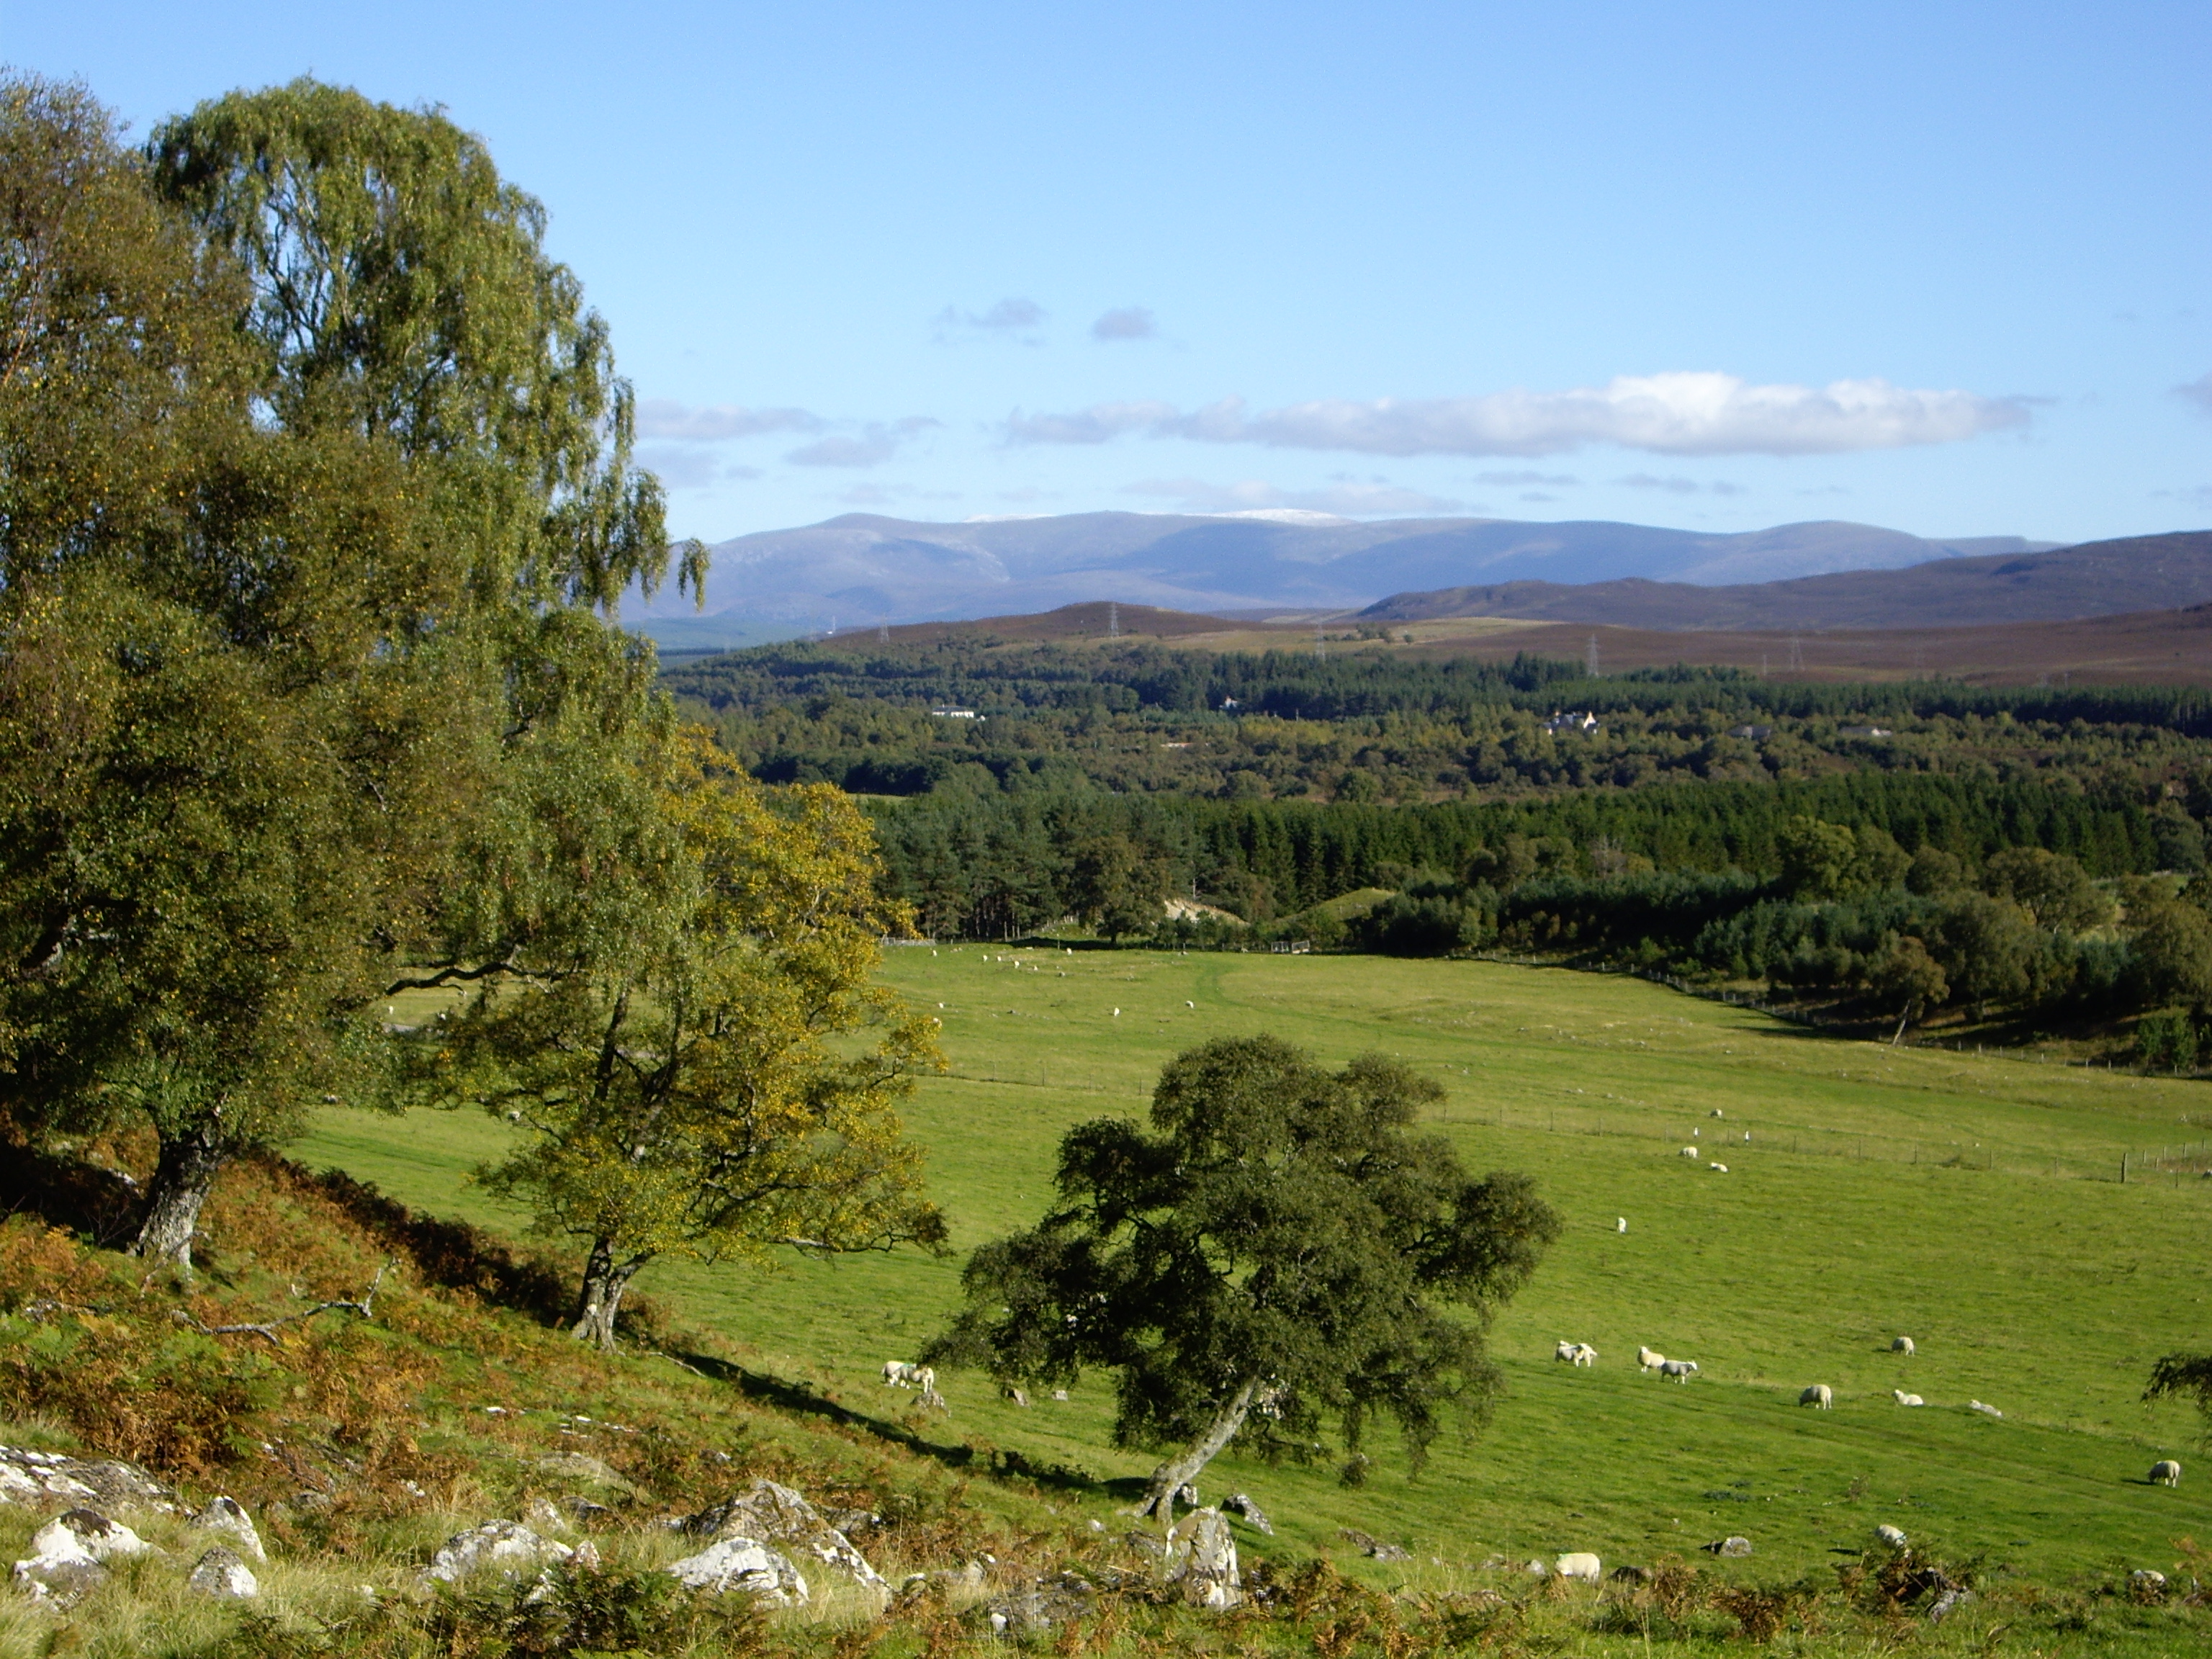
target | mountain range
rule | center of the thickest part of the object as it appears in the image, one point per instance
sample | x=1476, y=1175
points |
x=2095, y=579
x=862, y=570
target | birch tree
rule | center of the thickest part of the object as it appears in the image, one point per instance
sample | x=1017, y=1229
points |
x=1281, y=1252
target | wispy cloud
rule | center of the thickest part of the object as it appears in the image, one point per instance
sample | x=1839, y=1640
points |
x=2200, y=495
x=1344, y=500
x=1673, y=486
x=692, y=468
x=1125, y=323
x=1011, y=316
x=874, y=444
x=1550, y=480
x=1671, y=414
x=664, y=418
x=2198, y=392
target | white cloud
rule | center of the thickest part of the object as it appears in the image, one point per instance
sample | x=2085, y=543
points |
x=1347, y=500
x=1671, y=414
x=664, y=418
x=2199, y=392
x=873, y=444
x=1125, y=323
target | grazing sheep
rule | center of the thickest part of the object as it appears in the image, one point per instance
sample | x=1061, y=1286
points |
x=1904, y=1399
x=1692, y=1152
x=1580, y=1563
x=1903, y=1344
x=1890, y=1535
x=2165, y=1473
x=1717, y=1169
x=1680, y=1370
x=1718, y=1112
x=904, y=1374
x=1650, y=1360
x=1585, y=1354
x=1986, y=1411
x=1620, y=1224
x=1566, y=1351
x=1819, y=1394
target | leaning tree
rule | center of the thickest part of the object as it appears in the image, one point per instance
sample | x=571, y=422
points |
x=1281, y=1251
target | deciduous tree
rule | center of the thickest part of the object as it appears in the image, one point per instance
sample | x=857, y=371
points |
x=1281, y=1249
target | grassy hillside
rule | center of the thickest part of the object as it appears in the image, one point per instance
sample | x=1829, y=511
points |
x=1972, y=1203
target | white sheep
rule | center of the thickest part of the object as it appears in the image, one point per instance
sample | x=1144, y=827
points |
x=1890, y=1535
x=1648, y=1360
x=2165, y=1473
x=1579, y=1563
x=1904, y=1399
x=1903, y=1344
x=1819, y=1394
x=1717, y=1169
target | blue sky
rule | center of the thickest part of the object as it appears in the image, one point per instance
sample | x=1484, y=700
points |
x=1941, y=267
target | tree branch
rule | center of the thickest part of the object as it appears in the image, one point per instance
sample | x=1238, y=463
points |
x=365, y=1305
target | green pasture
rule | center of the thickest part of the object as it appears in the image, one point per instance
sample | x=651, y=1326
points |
x=1971, y=1202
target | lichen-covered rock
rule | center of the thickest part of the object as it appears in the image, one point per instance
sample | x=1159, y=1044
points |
x=228, y=1515
x=222, y=1572
x=1729, y=1547
x=68, y=1553
x=1241, y=1504
x=775, y=1514
x=506, y=1546
x=1201, y=1557
x=27, y=1477
x=743, y=1563
x=1042, y=1607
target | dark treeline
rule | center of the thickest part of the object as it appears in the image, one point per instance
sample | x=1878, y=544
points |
x=994, y=864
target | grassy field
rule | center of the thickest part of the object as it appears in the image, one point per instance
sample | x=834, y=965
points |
x=1972, y=1203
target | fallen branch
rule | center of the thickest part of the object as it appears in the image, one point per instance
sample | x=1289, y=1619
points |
x=365, y=1305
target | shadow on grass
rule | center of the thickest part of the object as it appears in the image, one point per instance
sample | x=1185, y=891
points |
x=799, y=1399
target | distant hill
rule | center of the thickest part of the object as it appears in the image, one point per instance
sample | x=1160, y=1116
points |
x=862, y=570
x=2096, y=578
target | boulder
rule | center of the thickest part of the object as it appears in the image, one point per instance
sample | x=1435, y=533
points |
x=1368, y=1545
x=27, y=1477
x=228, y=1515
x=1040, y=1607
x=220, y=1572
x=506, y=1546
x=1241, y=1504
x=774, y=1513
x=1201, y=1557
x=1941, y=1607
x=1731, y=1545
x=581, y=1467
x=69, y=1553
x=742, y=1563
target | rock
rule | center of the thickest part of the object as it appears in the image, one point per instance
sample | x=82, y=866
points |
x=506, y=1546
x=742, y=1563
x=1015, y=1394
x=581, y=1466
x=87, y=1534
x=1633, y=1575
x=1059, y=1394
x=1046, y=1603
x=777, y=1514
x=1940, y=1608
x=227, y=1517
x=1242, y=1503
x=1368, y=1545
x=28, y=1476
x=68, y=1553
x=220, y=1572
x=2149, y=1577
x=1731, y=1545
x=540, y=1513
x=1201, y=1557
x=1186, y=1494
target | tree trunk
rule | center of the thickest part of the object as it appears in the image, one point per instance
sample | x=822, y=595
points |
x=604, y=1281
x=188, y=1166
x=1181, y=1469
